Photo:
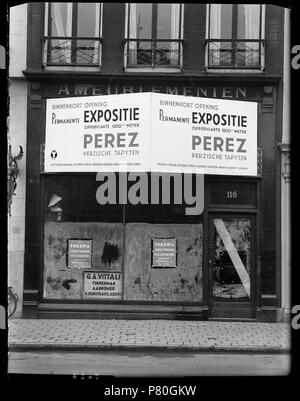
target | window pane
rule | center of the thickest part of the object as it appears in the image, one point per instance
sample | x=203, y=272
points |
x=86, y=51
x=232, y=269
x=164, y=21
x=248, y=21
x=140, y=21
x=73, y=199
x=72, y=212
x=220, y=21
x=226, y=21
x=234, y=24
x=61, y=19
x=141, y=53
x=167, y=22
x=248, y=53
x=60, y=51
x=87, y=20
x=153, y=23
x=165, y=30
x=172, y=201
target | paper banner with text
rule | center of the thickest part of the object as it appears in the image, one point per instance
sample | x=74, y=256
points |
x=151, y=132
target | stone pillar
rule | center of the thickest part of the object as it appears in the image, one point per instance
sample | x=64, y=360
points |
x=17, y=128
x=285, y=233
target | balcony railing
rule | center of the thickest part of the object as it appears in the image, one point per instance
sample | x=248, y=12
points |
x=235, y=54
x=153, y=53
x=72, y=51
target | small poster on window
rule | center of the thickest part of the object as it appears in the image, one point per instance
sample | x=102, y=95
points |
x=164, y=252
x=79, y=253
x=102, y=285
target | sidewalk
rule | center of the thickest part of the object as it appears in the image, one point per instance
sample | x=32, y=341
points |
x=205, y=336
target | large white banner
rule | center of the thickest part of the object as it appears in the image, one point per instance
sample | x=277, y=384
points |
x=98, y=133
x=151, y=132
x=200, y=135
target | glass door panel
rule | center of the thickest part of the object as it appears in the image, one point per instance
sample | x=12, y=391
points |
x=231, y=259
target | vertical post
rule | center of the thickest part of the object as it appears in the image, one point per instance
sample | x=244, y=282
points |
x=234, y=34
x=74, y=33
x=124, y=188
x=154, y=33
x=260, y=36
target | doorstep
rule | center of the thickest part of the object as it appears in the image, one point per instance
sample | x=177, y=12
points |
x=63, y=310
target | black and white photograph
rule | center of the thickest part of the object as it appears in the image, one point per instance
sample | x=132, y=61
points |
x=149, y=192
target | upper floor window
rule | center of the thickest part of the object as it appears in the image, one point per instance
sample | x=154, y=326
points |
x=154, y=35
x=235, y=36
x=72, y=34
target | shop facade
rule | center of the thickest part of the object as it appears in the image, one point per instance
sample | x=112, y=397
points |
x=88, y=260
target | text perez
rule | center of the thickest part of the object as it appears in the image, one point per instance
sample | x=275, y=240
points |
x=109, y=140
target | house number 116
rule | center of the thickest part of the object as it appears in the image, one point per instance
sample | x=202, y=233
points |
x=232, y=194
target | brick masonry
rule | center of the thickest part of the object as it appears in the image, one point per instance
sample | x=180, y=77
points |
x=152, y=334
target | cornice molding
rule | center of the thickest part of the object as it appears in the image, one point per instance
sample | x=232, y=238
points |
x=42, y=75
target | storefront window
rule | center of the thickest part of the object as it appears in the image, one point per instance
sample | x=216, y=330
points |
x=180, y=280
x=73, y=199
x=80, y=235
x=171, y=198
x=86, y=244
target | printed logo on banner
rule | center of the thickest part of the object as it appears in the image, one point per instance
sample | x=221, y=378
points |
x=53, y=154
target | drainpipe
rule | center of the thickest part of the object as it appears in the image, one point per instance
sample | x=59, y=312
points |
x=285, y=178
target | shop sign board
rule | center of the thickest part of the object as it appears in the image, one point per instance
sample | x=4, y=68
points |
x=164, y=252
x=102, y=285
x=151, y=132
x=79, y=253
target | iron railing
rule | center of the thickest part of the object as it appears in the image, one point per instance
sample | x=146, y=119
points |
x=153, y=53
x=244, y=53
x=72, y=51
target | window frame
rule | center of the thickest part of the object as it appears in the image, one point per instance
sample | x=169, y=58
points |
x=46, y=62
x=153, y=68
x=231, y=69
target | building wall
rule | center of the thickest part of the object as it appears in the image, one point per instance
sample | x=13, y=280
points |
x=35, y=33
x=274, y=38
x=263, y=87
x=113, y=28
x=194, y=31
x=16, y=138
x=194, y=35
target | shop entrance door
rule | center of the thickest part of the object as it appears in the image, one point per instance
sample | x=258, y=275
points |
x=231, y=264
